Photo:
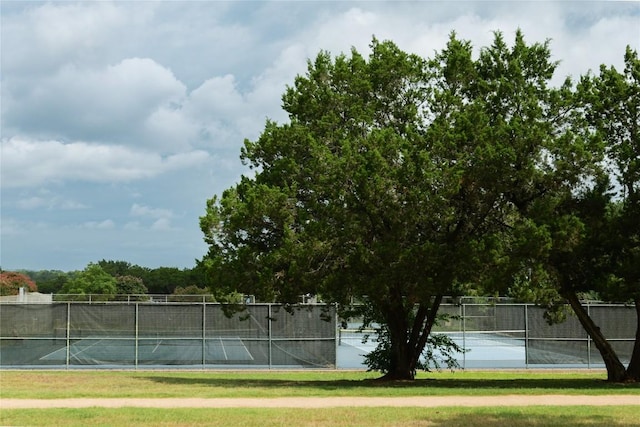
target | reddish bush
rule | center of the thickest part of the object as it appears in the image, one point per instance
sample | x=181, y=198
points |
x=11, y=282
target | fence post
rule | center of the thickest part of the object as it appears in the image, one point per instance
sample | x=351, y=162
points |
x=464, y=334
x=270, y=320
x=68, y=334
x=588, y=338
x=204, y=333
x=338, y=333
x=526, y=336
x=135, y=328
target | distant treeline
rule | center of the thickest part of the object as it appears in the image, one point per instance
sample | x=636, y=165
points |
x=161, y=280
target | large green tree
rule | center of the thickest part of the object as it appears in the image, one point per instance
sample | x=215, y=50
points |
x=396, y=181
x=611, y=103
x=593, y=231
x=94, y=281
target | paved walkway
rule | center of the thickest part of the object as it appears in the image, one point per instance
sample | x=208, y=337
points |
x=325, y=402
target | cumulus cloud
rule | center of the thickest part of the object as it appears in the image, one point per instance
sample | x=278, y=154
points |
x=161, y=217
x=10, y=226
x=145, y=211
x=31, y=203
x=160, y=95
x=51, y=34
x=48, y=202
x=107, y=224
x=108, y=104
x=161, y=224
x=226, y=113
x=27, y=162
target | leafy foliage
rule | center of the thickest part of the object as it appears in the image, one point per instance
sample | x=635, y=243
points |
x=11, y=282
x=440, y=351
x=398, y=180
x=130, y=285
x=191, y=294
x=92, y=280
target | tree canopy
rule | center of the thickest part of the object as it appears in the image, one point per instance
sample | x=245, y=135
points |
x=399, y=180
x=600, y=252
x=92, y=280
x=11, y=282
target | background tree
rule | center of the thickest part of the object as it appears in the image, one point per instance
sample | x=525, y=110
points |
x=11, y=282
x=116, y=268
x=93, y=280
x=161, y=280
x=49, y=281
x=593, y=231
x=191, y=293
x=397, y=181
x=164, y=280
x=130, y=285
x=613, y=108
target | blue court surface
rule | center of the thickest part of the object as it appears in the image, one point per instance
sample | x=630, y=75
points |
x=483, y=351
x=155, y=351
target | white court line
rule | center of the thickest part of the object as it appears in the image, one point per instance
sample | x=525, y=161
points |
x=223, y=350
x=83, y=350
x=239, y=340
x=63, y=350
x=246, y=349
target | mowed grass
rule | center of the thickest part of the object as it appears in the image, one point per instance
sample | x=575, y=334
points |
x=341, y=417
x=208, y=384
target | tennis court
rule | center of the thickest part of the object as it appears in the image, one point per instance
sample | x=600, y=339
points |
x=156, y=335
x=191, y=335
x=156, y=351
x=483, y=349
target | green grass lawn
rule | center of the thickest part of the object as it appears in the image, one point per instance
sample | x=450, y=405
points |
x=610, y=416
x=208, y=384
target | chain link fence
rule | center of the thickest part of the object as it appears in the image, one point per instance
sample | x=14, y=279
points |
x=165, y=334
x=201, y=334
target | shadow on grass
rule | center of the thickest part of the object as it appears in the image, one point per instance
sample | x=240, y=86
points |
x=582, y=384
x=524, y=420
x=476, y=417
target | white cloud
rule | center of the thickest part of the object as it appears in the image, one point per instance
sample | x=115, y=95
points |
x=225, y=115
x=32, y=203
x=37, y=202
x=168, y=129
x=10, y=226
x=218, y=97
x=145, y=211
x=107, y=224
x=50, y=34
x=161, y=224
x=108, y=104
x=27, y=162
x=161, y=217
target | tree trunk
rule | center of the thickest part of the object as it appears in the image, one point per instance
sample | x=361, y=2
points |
x=399, y=357
x=425, y=331
x=633, y=370
x=407, y=345
x=615, y=369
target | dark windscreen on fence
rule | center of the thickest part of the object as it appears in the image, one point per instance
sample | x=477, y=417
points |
x=184, y=334
x=139, y=334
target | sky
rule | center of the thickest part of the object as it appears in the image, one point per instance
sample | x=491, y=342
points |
x=119, y=119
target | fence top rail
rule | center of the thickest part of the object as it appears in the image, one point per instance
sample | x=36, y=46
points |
x=250, y=300
x=297, y=306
